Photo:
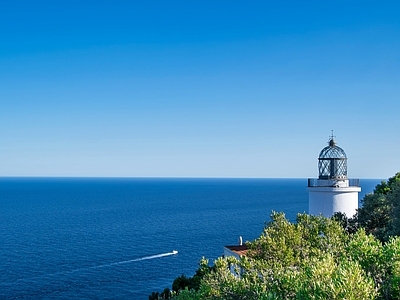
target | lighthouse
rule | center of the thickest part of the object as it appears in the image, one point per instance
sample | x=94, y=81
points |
x=332, y=192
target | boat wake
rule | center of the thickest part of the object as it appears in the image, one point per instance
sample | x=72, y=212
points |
x=174, y=252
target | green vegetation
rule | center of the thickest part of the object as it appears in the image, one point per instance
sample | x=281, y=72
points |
x=313, y=258
x=166, y=294
x=192, y=283
x=380, y=212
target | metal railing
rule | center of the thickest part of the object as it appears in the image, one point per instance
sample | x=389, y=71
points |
x=315, y=182
x=354, y=182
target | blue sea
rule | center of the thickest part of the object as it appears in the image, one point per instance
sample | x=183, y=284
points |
x=112, y=238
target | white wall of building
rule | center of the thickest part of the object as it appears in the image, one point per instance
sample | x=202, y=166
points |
x=328, y=200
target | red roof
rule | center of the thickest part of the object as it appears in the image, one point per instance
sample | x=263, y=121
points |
x=239, y=249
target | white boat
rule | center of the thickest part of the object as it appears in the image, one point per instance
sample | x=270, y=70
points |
x=174, y=252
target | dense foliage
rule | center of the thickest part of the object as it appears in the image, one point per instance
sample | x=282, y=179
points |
x=313, y=258
x=380, y=212
x=192, y=283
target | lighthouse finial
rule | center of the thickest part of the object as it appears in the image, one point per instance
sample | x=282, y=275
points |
x=331, y=139
x=332, y=136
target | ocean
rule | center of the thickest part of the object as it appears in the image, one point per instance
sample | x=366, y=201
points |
x=113, y=238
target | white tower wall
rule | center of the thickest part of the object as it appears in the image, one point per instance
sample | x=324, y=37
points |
x=329, y=200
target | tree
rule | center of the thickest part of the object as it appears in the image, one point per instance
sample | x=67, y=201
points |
x=394, y=200
x=386, y=187
x=313, y=258
x=192, y=283
x=350, y=225
x=380, y=210
x=180, y=283
x=291, y=244
x=154, y=296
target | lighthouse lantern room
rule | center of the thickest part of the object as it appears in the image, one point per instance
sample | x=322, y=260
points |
x=333, y=192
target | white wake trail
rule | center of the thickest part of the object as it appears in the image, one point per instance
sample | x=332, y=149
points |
x=95, y=267
x=139, y=259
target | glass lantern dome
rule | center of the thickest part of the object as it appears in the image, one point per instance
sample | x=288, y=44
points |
x=332, y=162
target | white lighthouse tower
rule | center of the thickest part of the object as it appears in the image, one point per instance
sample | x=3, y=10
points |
x=332, y=192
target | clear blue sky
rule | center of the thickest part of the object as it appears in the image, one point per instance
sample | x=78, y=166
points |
x=199, y=89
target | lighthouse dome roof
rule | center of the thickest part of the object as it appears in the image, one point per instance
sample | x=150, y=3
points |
x=332, y=162
x=332, y=151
